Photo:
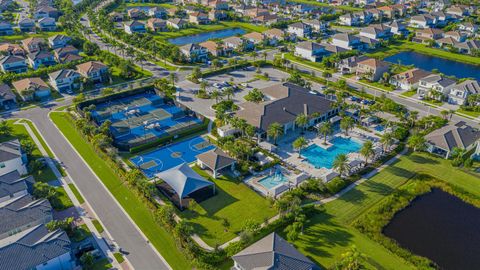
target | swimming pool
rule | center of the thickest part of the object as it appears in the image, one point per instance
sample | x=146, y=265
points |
x=273, y=180
x=323, y=158
x=171, y=155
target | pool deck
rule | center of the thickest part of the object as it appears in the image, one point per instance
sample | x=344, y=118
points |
x=291, y=157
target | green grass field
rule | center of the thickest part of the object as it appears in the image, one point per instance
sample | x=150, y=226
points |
x=77, y=194
x=235, y=202
x=64, y=199
x=136, y=209
x=470, y=113
x=320, y=4
x=329, y=233
x=26, y=35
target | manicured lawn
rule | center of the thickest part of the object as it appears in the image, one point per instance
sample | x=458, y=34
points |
x=102, y=264
x=314, y=65
x=235, y=202
x=136, y=209
x=64, y=199
x=119, y=257
x=378, y=85
x=77, y=194
x=320, y=4
x=409, y=93
x=470, y=113
x=25, y=35
x=20, y=132
x=330, y=233
x=98, y=226
x=164, y=5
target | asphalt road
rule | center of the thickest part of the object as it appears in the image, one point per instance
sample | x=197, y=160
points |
x=125, y=234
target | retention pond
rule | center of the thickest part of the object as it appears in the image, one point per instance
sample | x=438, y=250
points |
x=441, y=227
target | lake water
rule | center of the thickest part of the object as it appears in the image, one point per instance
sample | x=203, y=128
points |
x=224, y=33
x=441, y=227
x=445, y=66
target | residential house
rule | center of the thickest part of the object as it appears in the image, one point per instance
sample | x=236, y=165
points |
x=198, y=18
x=116, y=16
x=372, y=69
x=423, y=21
x=60, y=53
x=456, y=35
x=275, y=34
x=283, y=103
x=376, y=31
x=238, y=44
x=442, y=18
x=217, y=15
x=393, y=11
x=33, y=44
x=69, y=58
x=349, y=65
x=12, y=158
x=47, y=24
x=5, y=28
x=64, y=80
x=398, y=28
x=11, y=49
x=58, y=41
x=427, y=35
x=364, y=17
x=40, y=58
x=7, y=97
x=265, y=19
x=433, y=84
x=216, y=49
x=347, y=41
x=157, y=25
x=271, y=252
x=310, y=50
x=19, y=211
x=257, y=38
x=194, y=52
x=377, y=14
x=46, y=12
x=459, y=11
x=468, y=27
x=409, y=79
x=459, y=92
x=300, y=29
x=26, y=25
x=349, y=19
x=317, y=25
x=218, y=5
x=95, y=71
x=177, y=23
x=31, y=88
x=157, y=12
x=468, y=47
x=37, y=248
x=13, y=63
x=460, y=135
x=135, y=14
x=131, y=27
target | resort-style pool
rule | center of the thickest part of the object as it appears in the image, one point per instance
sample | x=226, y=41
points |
x=440, y=227
x=445, y=66
x=274, y=179
x=323, y=158
x=198, y=38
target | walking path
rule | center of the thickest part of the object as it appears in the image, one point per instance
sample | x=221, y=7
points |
x=84, y=214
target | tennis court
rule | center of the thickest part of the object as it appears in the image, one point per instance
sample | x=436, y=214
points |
x=142, y=118
x=171, y=155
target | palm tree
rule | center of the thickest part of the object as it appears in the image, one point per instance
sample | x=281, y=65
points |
x=254, y=55
x=341, y=164
x=347, y=123
x=302, y=121
x=275, y=130
x=264, y=53
x=367, y=150
x=299, y=144
x=216, y=95
x=173, y=78
x=412, y=118
x=228, y=92
x=386, y=140
x=416, y=141
x=325, y=129
x=444, y=114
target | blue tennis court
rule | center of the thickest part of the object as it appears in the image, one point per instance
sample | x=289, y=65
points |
x=171, y=155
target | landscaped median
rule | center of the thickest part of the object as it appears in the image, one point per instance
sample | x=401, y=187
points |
x=131, y=203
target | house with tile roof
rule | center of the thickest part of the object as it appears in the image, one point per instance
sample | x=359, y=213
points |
x=409, y=79
x=31, y=88
x=64, y=80
x=36, y=248
x=274, y=253
x=372, y=69
x=442, y=141
x=93, y=70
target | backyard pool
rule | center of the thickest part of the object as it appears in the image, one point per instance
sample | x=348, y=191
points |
x=445, y=66
x=198, y=38
x=323, y=158
x=171, y=155
x=274, y=179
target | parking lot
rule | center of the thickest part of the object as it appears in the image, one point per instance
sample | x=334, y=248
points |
x=245, y=78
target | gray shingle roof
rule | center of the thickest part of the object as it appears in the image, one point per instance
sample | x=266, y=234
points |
x=22, y=211
x=458, y=135
x=274, y=253
x=32, y=247
x=10, y=150
x=12, y=183
x=216, y=159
